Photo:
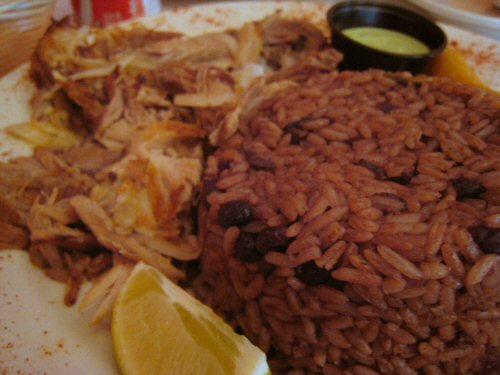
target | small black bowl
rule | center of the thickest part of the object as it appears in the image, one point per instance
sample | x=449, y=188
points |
x=362, y=13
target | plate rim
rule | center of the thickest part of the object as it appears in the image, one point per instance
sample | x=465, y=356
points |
x=460, y=16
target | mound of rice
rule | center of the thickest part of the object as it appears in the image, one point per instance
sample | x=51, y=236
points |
x=351, y=225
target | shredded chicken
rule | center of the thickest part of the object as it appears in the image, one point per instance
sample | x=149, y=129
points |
x=118, y=124
x=104, y=292
x=216, y=49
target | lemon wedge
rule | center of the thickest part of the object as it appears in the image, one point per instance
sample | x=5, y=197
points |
x=158, y=328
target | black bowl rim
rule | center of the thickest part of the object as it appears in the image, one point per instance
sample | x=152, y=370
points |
x=421, y=18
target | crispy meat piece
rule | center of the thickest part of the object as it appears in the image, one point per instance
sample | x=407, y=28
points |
x=105, y=290
x=86, y=98
x=25, y=179
x=74, y=281
x=57, y=41
x=51, y=222
x=177, y=77
x=218, y=49
x=90, y=157
x=102, y=227
x=321, y=61
x=13, y=237
x=59, y=175
x=49, y=257
x=135, y=37
x=9, y=214
x=156, y=180
x=18, y=178
x=286, y=41
x=66, y=48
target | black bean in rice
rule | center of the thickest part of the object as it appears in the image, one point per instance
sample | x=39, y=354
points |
x=374, y=203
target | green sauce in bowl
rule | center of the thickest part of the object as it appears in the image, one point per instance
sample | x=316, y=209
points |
x=386, y=40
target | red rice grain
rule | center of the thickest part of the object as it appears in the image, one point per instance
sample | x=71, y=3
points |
x=378, y=271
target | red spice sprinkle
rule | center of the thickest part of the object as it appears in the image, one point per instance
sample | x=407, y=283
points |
x=46, y=351
x=480, y=55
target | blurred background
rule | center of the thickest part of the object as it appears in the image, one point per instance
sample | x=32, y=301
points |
x=23, y=22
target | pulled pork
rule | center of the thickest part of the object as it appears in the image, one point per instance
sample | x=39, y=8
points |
x=132, y=109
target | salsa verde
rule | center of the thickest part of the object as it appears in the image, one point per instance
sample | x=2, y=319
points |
x=386, y=40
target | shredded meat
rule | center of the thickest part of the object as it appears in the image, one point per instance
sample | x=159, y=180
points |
x=217, y=49
x=133, y=108
x=12, y=237
x=90, y=157
x=51, y=222
x=102, y=227
x=287, y=41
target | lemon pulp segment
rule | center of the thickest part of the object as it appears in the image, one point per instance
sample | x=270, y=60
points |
x=158, y=328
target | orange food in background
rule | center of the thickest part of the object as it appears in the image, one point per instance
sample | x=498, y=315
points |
x=451, y=63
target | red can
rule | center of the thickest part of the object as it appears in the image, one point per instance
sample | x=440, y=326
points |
x=105, y=13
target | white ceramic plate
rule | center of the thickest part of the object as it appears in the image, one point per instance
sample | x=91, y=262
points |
x=479, y=15
x=38, y=334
